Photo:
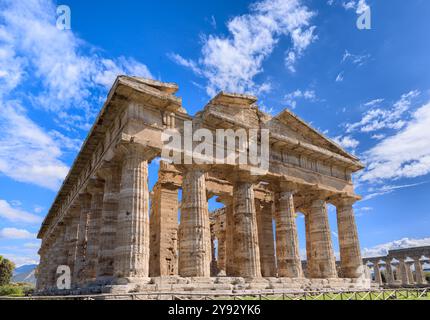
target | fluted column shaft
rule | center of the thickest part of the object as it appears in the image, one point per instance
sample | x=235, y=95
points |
x=409, y=270
x=350, y=254
x=322, y=255
x=164, y=231
x=105, y=265
x=404, y=272
x=389, y=272
x=229, y=236
x=93, y=241
x=221, y=251
x=42, y=268
x=72, y=232
x=131, y=255
x=377, y=271
x=265, y=238
x=245, y=238
x=309, y=265
x=194, y=229
x=85, y=207
x=287, y=242
x=419, y=273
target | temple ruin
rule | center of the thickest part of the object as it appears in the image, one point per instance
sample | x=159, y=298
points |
x=400, y=267
x=116, y=235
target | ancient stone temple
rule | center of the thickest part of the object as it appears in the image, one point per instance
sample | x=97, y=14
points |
x=115, y=234
x=400, y=267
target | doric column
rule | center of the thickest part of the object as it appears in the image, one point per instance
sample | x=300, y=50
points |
x=419, y=274
x=287, y=242
x=265, y=238
x=377, y=271
x=164, y=231
x=131, y=254
x=229, y=232
x=112, y=176
x=350, y=255
x=389, y=272
x=409, y=270
x=194, y=229
x=42, y=267
x=85, y=208
x=404, y=274
x=93, y=241
x=308, y=244
x=72, y=231
x=245, y=237
x=59, y=252
x=322, y=255
x=221, y=252
x=214, y=262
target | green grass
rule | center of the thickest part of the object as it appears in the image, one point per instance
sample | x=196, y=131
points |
x=387, y=295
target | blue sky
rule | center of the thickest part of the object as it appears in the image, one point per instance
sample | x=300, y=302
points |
x=369, y=90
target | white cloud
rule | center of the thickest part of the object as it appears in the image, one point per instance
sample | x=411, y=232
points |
x=374, y=102
x=32, y=245
x=69, y=78
x=292, y=97
x=347, y=142
x=231, y=63
x=405, y=154
x=339, y=77
x=13, y=233
x=10, y=213
x=355, y=59
x=378, y=118
x=359, y=6
x=36, y=47
x=27, y=153
x=387, y=189
x=382, y=249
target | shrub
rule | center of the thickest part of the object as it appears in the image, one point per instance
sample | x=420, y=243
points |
x=11, y=290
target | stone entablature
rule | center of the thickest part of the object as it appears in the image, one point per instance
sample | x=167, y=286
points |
x=99, y=223
x=398, y=265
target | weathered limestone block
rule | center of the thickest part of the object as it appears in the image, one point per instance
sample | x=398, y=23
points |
x=93, y=241
x=245, y=243
x=322, y=255
x=112, y=176
x=194, y=230
x=164, y=231
x=350, y=254
x=132, y=237
x=265, y=238
x=287, y=242
x=85, y=206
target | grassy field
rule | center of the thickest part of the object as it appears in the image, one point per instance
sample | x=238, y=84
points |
x=377, y=295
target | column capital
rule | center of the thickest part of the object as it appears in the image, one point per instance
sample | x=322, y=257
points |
x=131, y=148
x=343, y=200
x=95, y=186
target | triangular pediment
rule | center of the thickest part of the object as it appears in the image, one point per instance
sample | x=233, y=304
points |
x=288, y=124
